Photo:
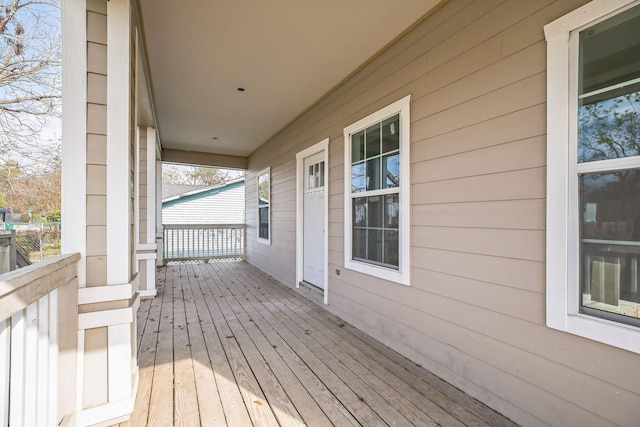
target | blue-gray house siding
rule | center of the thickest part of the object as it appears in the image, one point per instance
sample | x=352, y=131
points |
x=213, y=205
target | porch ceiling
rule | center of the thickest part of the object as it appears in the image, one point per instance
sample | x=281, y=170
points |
x=286, y=53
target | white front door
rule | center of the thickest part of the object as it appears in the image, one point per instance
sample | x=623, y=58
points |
x=313, y=219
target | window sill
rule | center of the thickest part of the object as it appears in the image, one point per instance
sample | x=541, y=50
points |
x=605, y=331
x=380, y=272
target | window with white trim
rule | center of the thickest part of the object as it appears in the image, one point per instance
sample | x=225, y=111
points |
x=593, y=172
x=264, y=206
x=377, y=193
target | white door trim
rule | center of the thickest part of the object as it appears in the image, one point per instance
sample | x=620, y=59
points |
x=316, y=148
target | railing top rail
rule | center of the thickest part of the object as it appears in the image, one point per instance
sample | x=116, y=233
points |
x=21, y=287
x=201, y=226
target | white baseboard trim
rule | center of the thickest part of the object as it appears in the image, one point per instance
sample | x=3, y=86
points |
x=150, y=293
x=111, y=413
x=100, y=414
x=146, y=255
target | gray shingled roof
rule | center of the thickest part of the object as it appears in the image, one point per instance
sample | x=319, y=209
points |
x=171, y=190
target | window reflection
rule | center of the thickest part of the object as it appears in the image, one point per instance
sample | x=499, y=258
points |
x=610, y=244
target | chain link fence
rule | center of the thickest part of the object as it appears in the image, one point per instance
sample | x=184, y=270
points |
x=37, y=241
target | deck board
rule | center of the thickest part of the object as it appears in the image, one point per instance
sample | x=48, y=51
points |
x=224, y=344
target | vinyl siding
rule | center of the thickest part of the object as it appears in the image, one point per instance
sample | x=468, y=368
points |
x=216, y=206
x=475, y=311
x=96, y=143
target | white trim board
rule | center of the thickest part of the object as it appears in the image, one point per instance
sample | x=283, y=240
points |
x=107, y=293
x=316, y=148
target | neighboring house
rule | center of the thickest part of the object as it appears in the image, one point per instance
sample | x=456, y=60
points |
x=442, y=192
x=218, y=204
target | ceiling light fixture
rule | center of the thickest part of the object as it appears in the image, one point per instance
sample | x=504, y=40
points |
x=241, y=89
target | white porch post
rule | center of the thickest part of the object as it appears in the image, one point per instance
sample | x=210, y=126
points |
x=74, y=174
x=146, y=251
x=158, y=208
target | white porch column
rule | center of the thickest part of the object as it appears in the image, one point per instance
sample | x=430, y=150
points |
x=146, y=251
x=158, y=231
x=99, y=161
x=74, y=178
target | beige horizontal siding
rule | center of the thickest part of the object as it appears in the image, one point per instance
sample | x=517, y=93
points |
x=475, y=311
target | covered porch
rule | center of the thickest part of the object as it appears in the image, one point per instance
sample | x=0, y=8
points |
x=225, y=344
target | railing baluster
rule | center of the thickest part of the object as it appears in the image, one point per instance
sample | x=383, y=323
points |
x=5, y=369
x=53, y=357
x=31, y=363
x=42, y=389
x=16, y=405
x=203, y=242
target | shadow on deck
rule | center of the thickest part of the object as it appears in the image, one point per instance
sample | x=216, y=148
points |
x=225, y=344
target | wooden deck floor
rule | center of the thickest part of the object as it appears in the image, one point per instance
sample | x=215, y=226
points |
x=225, y=344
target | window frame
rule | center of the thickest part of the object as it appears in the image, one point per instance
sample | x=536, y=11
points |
x=562, y=247
x=266, y=171
x=402, y=274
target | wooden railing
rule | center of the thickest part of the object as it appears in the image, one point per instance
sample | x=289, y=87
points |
x=38, y=342
x=184, y=242
x=7, y=251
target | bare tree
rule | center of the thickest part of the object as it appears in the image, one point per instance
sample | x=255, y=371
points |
x=196, y=175
x=30, y=74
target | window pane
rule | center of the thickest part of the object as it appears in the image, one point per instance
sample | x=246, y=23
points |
x=391, y=134
x=263, y=222
x=391, y=211
x=610, y=129
x=373, y=174
x=357, y=147
x=391, y=253
x=359, y=216
x=359, y=244
x=374, y=245
x=321, y=183
x=609, y=96
x=610, y=52
x=610, y=245
x=311, y=182
x=375, y=211
x=358, y=178
x=263, y=188
x=391, y=170
x=373, y=141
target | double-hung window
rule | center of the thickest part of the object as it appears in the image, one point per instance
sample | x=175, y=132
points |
x=377, y=193
x=264, y=203
x=593, y=173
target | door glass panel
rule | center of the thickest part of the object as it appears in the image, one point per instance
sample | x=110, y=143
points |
x=321, y=183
